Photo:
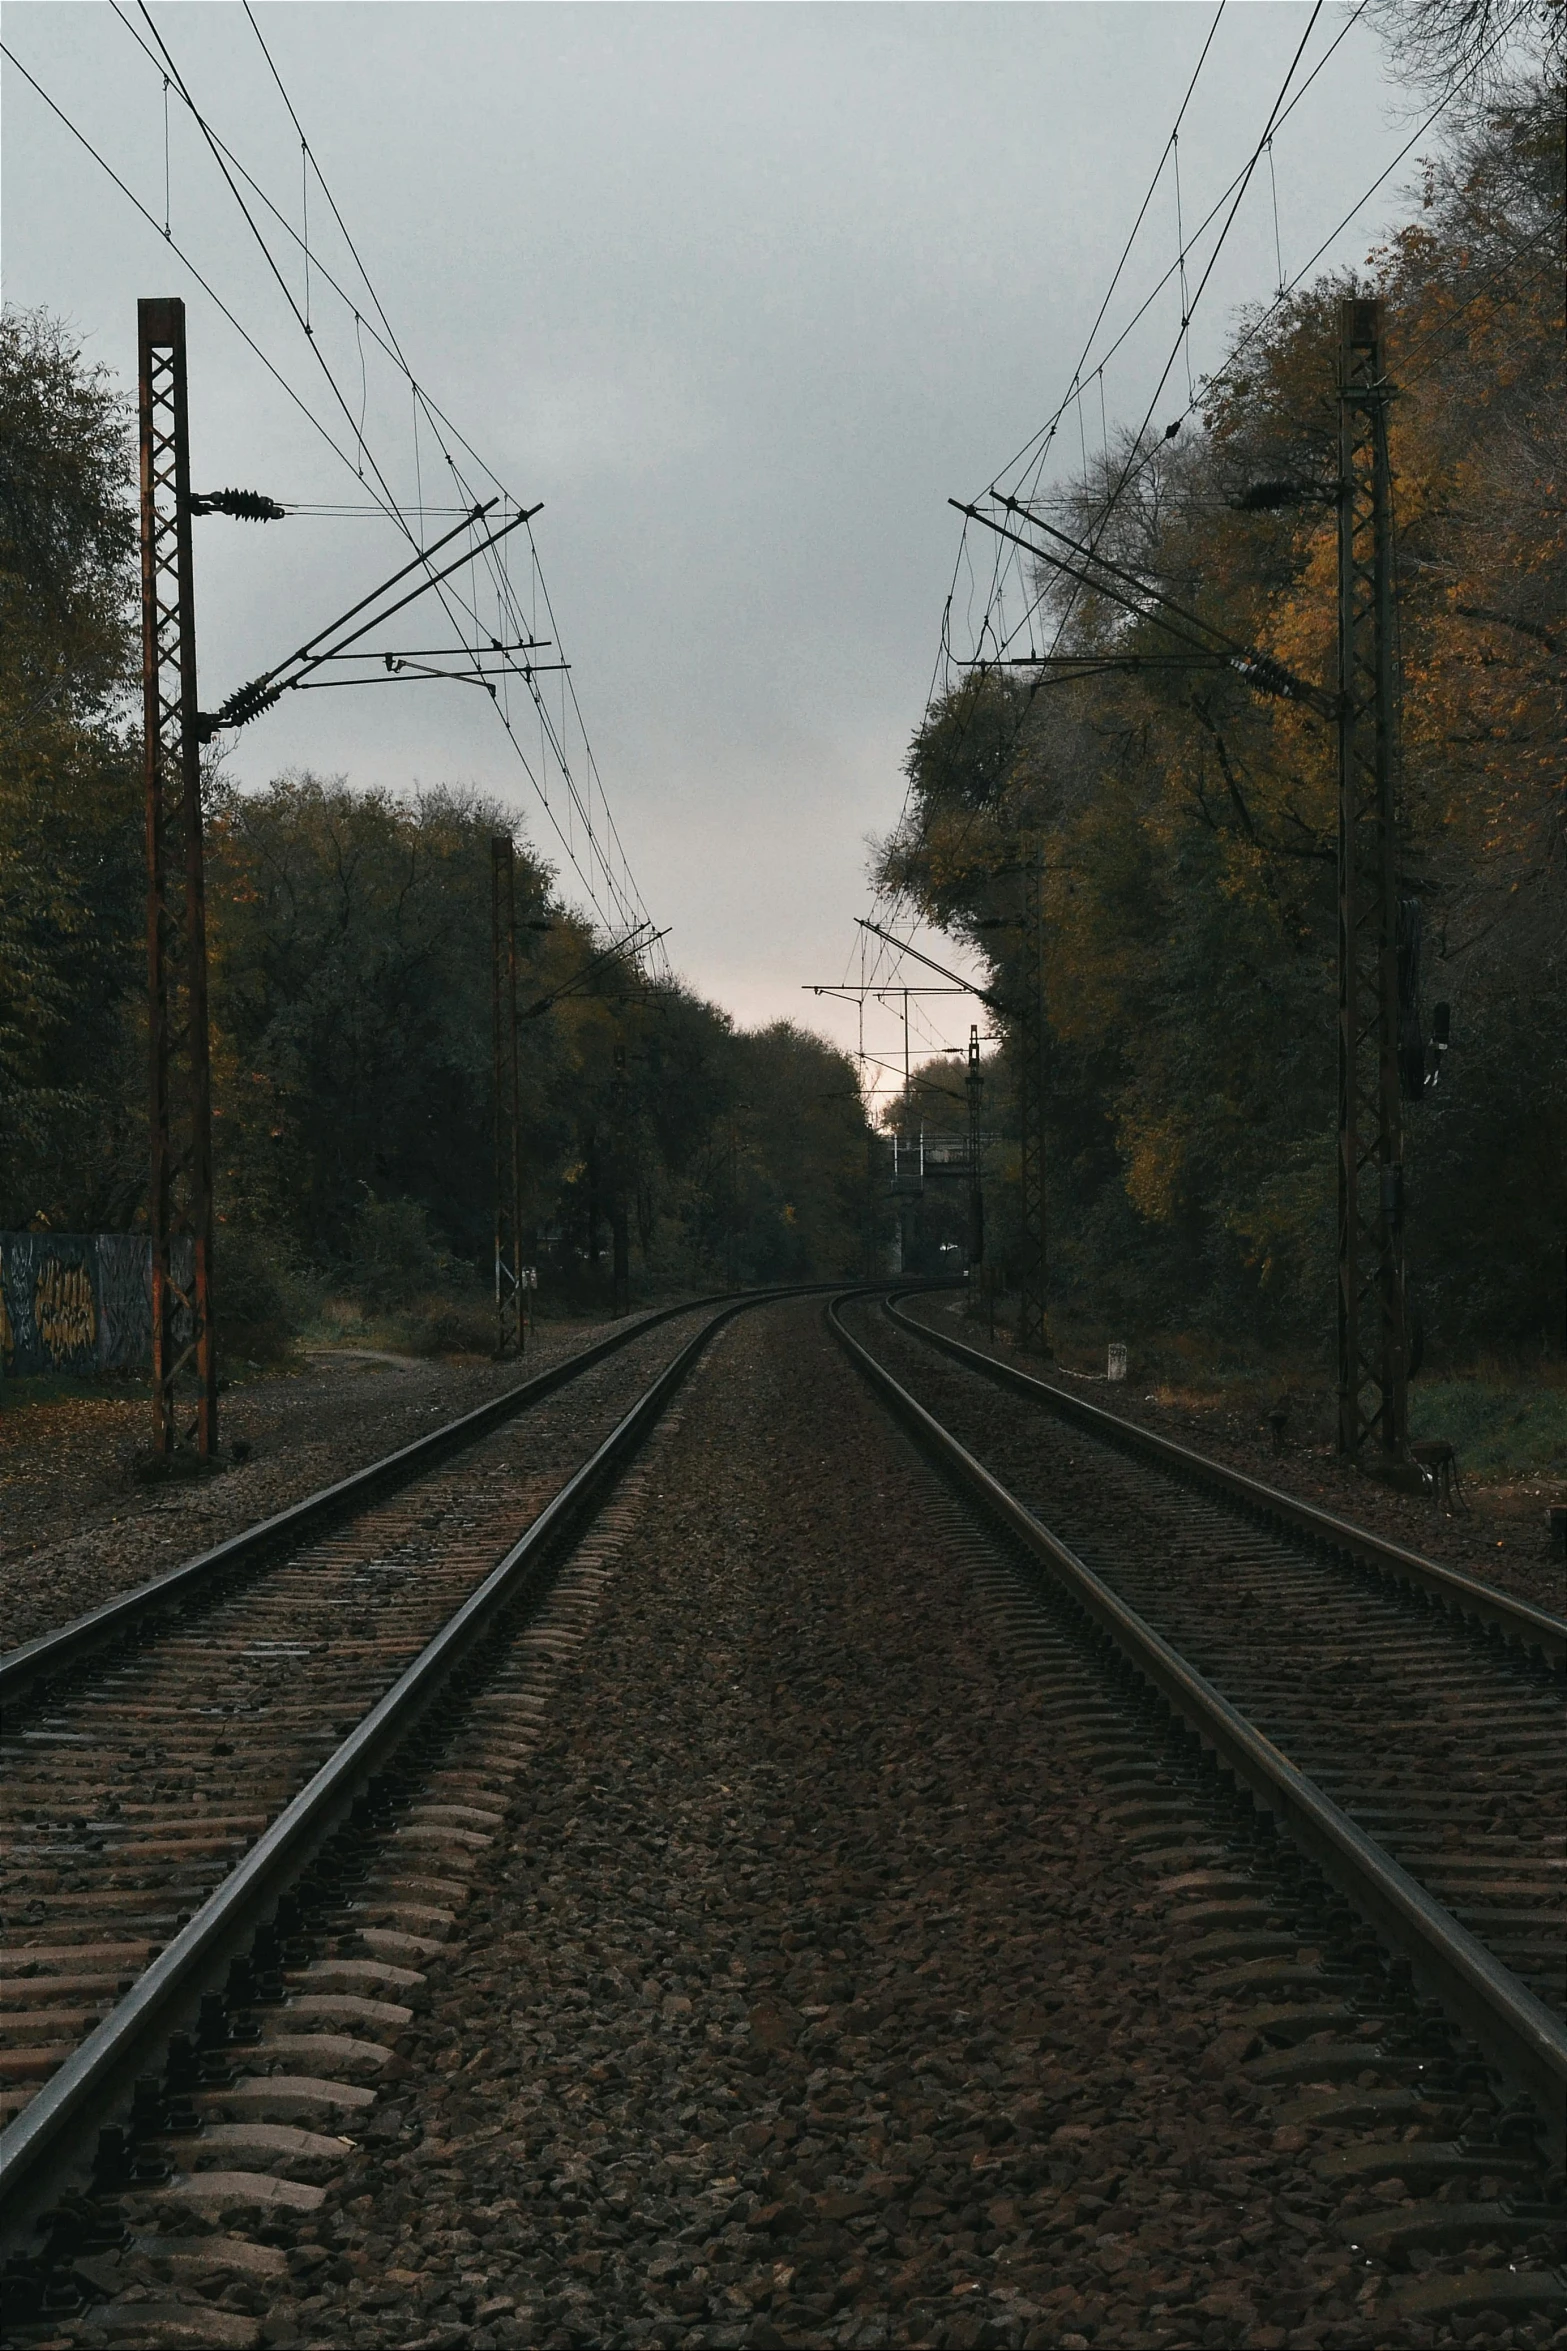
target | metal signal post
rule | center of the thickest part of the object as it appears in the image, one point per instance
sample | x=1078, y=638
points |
x=870, y=1268
x=1372, y=1333
x=511, y=1296
x=975, y=1085
x=184, y=1356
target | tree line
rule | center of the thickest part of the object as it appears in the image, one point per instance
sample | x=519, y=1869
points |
x=1187, y=825
x=1186, y=828
x=350, y=967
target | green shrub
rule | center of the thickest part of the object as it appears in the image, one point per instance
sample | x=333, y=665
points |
x=263, y=1296
x=395, y=1258
x=1498, y=1428
x=445, y=1325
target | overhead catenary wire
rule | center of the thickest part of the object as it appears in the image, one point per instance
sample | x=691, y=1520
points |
x=225, y=311
x=1139, y=463
x=1242, y=183
x=180, y=254
x=1231, y=194
x=993, y=637
x=1040, y=442
x=216, y=148
x=1126, y=250
x=222, y=156
x=392, y=508
x=1245, y=340
x=989, y=635
x=603, y=844
x=595, y=778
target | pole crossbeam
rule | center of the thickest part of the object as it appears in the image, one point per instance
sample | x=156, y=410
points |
x=511, y=1290
x=179, y=1209
x=1372, y=1337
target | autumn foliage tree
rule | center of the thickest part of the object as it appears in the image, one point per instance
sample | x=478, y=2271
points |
x=1188, y=824
x=349, y=941
x=71, y=893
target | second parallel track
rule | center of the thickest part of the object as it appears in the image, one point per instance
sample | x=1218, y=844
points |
x=1434, y=1743
x=173, y=1758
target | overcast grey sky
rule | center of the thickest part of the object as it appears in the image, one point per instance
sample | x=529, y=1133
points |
x=742, y=293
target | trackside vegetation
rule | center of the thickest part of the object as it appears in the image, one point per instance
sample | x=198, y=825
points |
x=349, y=946
x=1187, y=825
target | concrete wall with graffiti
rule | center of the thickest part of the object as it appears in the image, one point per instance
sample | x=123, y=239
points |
x=79, y=1302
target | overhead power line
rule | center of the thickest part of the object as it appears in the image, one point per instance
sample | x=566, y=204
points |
x=1047, y=431
x=1239, y=186
x=1139, y=461
x=602, y=862
x=1083, y=374
x=625, y=898
x=1040, y=442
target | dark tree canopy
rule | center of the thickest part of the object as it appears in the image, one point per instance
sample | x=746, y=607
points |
x=1188, y=825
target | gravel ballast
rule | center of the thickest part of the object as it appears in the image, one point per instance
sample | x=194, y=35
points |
x=824, y=1987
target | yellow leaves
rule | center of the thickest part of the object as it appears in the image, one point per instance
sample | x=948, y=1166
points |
x=1154, y=1151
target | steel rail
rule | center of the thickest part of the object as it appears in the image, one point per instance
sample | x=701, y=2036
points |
x=36, y=2150
x=1515, y=1620
x=54, y=1652
x=1517, y=2032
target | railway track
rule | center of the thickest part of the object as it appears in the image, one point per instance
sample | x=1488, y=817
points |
x=190, y=1753
x=1416, y=1747
x=1429, y=1711
x=264, y=2095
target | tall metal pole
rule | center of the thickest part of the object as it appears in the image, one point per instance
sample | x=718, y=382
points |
x=1372, y=1336
x=179, y=1215
x=976, y=1175
x=511, y=1326
x=1032, y=1335
x=619, y=1222
x=871, y=1267
x=732, y=1245
x=903, y=1138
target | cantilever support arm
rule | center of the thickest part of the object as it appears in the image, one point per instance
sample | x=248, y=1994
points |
x=249, y=701
x=633, y=940
x=969, y=987
x=1259, y=670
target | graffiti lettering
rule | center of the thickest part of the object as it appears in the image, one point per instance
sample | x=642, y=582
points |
x=63, y=1309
